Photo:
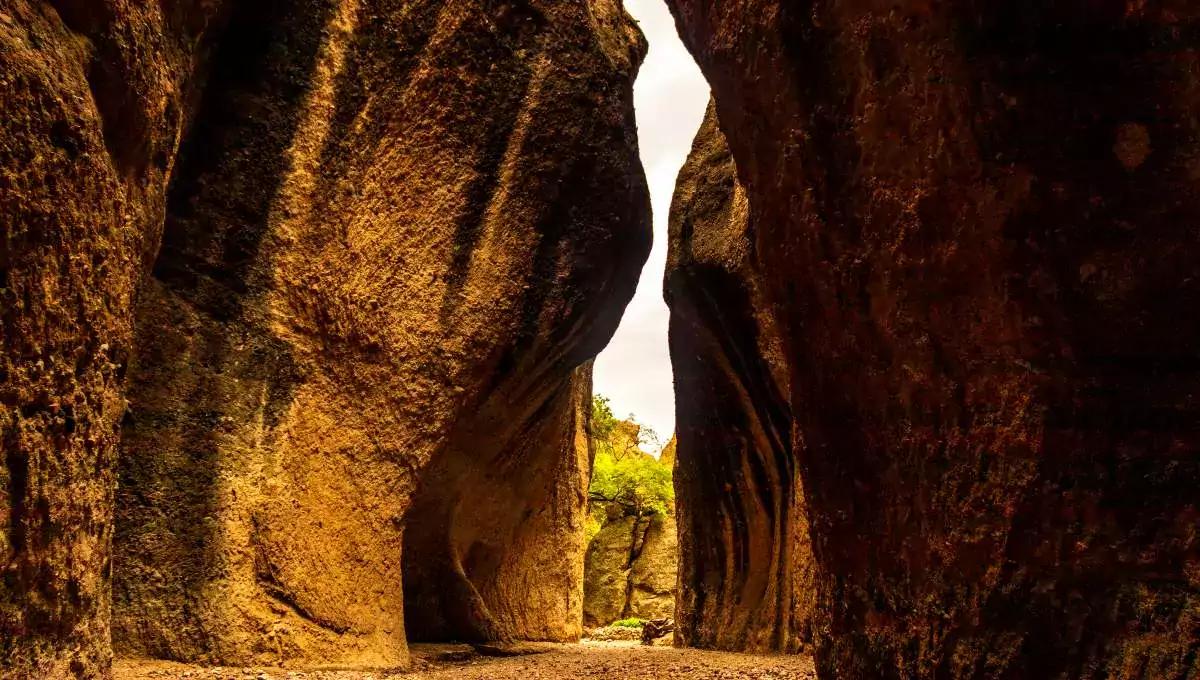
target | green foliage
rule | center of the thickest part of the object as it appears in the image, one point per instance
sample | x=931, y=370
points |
x=640, y=484
x=622, y=472
x=629, y=623
x=604, y=423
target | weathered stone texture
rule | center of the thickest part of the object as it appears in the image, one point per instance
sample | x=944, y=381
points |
x=654, y=572
x=393, y=233
x=630, y=570
x=972, y=224
x=494, y=551
x=745, y=562
x=606, y=573
x=91, y=105
x=396, y=232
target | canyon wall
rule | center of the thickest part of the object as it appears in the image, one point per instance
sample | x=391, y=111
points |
x=745, y=561
x=969, y=227
x=393, y=238
x=93, y=100
x=392, y=234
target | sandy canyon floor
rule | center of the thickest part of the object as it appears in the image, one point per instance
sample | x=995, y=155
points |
x=612, y=660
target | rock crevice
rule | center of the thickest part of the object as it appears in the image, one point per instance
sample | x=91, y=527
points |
x=630, y=570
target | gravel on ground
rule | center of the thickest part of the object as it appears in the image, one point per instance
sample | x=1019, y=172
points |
x=610, y=660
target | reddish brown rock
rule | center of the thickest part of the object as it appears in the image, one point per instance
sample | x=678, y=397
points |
x=92, y=100
x=745, y=562
x=971, y=223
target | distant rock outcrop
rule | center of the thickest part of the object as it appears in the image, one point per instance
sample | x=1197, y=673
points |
x=630, y=570
x=962, y=328
x=392, y=235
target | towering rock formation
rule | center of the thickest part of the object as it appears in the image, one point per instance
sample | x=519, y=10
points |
x=745, y=562
x=394, y=231
x=93, y=98
x=970, y=227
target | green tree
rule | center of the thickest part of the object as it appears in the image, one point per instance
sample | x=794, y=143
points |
x=623, y=473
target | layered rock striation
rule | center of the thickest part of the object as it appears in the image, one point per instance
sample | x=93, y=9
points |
x=968, y=231
x=392, y=234
x=745, y=560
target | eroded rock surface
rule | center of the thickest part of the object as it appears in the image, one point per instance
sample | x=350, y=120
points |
x=92, y=101
x=969, y=223
x=630, y=570
x=396, y=232
x=495, y=551
x=393, y=233
x=745, y=559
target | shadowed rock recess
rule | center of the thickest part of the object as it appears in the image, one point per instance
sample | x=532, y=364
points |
x=952, y=328
x=393, y=234
x=745, y=562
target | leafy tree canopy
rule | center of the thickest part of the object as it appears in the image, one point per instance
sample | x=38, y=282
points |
x=623, y=473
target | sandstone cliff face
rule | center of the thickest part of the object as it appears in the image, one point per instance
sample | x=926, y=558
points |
x=394, y=231
x=970, y=227
x=375, y=287
x=630, y=570
x=745, y=558
x=92, y=101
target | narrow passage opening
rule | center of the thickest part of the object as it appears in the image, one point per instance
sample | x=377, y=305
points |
x=631, y=560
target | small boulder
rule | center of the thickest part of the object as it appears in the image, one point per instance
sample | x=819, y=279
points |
x=656, y=628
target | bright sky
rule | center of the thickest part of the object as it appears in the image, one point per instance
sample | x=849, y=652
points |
x=670, y=96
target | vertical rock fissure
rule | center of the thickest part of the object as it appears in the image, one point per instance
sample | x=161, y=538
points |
x=639, y=531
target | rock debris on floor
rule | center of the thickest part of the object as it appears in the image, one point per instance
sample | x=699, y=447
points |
x=611, y=660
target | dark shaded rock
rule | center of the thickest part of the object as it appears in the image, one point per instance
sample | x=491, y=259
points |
x=92, y=99
x=969, y=226
x=655, y=629
x=745, y=560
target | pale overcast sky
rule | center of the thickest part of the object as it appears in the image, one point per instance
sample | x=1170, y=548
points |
x=670, y=96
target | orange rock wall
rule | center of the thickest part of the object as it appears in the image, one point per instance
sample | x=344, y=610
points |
x=392, y=233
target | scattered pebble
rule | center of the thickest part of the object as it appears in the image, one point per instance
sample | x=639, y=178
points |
x=591, y=659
